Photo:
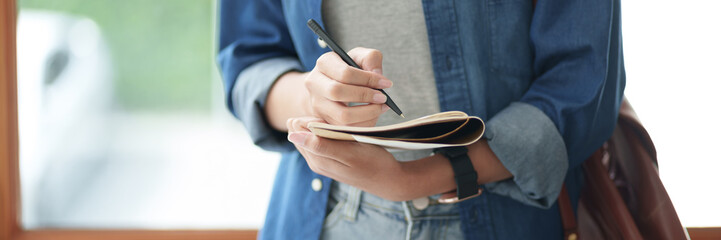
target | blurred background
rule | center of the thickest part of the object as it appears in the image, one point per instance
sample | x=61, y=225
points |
x=122, y=122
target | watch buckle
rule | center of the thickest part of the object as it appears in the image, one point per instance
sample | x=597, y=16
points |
x=452, y=197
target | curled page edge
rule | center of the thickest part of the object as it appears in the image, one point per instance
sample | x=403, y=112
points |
x=392, y=145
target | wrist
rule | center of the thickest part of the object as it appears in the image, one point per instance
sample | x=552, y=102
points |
x=428, y=176
x=303, y=96
x=486, y=163
x=283, y=97
x=434, y=174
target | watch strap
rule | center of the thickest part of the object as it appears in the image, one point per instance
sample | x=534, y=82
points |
x=463, y=171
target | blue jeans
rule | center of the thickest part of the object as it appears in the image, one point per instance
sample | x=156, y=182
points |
x=354, y=214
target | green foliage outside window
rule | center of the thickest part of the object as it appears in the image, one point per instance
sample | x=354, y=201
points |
x=161, y=51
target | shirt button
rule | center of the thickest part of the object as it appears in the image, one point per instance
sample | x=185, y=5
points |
x=420, y=203
x=321, y=43
x=316, y=184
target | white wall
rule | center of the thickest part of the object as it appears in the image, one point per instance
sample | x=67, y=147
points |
x=673, y=65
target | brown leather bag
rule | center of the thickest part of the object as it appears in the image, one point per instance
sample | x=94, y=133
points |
x=623, y=197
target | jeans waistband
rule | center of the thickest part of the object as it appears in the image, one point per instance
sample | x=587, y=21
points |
x=356, y=198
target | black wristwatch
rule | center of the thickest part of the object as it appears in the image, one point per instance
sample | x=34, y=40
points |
x=463, y=171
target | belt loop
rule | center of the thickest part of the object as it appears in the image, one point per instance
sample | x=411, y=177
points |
x=350, y=210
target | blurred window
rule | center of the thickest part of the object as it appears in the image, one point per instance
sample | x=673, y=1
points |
x=122, y=121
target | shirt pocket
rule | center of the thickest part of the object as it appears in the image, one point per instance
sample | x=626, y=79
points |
x=511, y=51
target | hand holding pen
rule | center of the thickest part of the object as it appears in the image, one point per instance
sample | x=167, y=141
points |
x=324, y=36
x=333, y=83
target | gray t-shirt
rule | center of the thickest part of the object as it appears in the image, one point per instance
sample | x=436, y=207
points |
x=398, y=30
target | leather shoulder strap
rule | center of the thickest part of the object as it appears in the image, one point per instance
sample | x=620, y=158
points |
x=570, y=228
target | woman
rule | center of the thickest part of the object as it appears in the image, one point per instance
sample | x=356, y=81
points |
x=548, y=80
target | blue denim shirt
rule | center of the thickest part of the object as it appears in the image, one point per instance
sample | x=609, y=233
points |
x=549, y=82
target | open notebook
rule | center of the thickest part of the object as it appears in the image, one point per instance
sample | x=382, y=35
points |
x=444, y=129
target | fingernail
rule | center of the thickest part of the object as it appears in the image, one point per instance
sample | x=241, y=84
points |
x=385, y=83
x=379, y=98
x=385, y=108
x=297, y=138
x=378, y=71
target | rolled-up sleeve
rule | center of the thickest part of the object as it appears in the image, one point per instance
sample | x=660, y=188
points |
x=255, y=48
x=531, y=148
x=249, y=96
x=571, y=107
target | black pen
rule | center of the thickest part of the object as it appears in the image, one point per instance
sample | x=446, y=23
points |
x=347, y=59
